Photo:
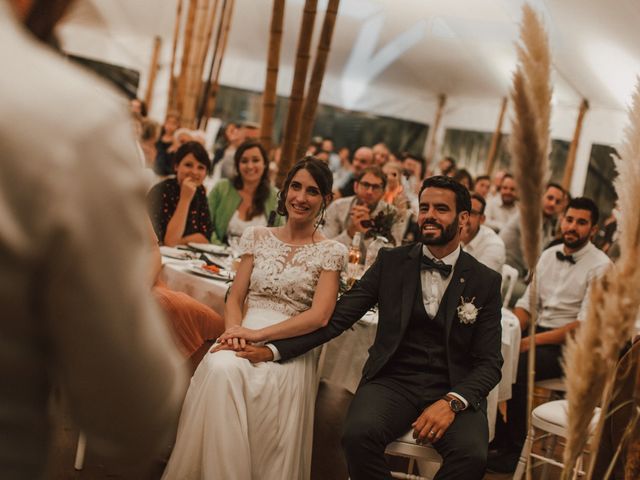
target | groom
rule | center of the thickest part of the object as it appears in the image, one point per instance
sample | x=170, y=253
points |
x=436, y=354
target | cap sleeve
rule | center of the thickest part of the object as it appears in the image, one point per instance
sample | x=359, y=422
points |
x=247, y=242
x=335, y=258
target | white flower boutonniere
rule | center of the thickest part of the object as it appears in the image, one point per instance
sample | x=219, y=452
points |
x=467, y=311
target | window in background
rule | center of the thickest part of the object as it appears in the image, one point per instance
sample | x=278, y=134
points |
x=471, y=148
x=347, y=128
x=600, y=175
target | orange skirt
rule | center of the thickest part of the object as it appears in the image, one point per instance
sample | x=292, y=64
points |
x=192, y=322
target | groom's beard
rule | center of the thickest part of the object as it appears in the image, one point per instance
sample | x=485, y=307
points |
x=447, y=233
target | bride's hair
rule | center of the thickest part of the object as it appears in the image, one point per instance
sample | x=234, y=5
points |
x=320, y=173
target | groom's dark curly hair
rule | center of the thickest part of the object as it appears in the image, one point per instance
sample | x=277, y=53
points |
x=463, y=197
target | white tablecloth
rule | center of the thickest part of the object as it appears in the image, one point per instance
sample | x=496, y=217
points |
x=177, y=277
x=346, y=355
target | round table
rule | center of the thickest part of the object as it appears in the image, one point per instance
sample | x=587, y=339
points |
x=176, y=275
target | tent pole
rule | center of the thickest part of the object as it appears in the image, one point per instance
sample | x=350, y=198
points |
x=573, y=148
x=174, y=48
x=153, y=70
x=433, y=133
x=495, y=139
x=186, y=52
x=317, y=75
x=269, y=95
x=211, y=101
x=292, y=125
x=194, y=70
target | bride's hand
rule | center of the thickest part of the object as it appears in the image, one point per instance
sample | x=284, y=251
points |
x=242, y=333
x=234, y=343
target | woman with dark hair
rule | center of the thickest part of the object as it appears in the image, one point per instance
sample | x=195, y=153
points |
x=178, y=206
x=463, y=177
x=241, y=420
x=163, y=161
x=246, y=200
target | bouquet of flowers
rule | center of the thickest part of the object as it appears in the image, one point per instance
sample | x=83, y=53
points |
x=380, y=225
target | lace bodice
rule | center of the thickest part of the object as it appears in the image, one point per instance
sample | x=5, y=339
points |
x=284, y=276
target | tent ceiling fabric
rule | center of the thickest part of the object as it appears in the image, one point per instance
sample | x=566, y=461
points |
x=394, y=56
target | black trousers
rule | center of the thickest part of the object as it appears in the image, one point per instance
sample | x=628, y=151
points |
x=380, y=413
x=547, y=367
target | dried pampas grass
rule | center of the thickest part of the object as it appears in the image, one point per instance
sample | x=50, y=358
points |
x=531, y=96
x=590, y=358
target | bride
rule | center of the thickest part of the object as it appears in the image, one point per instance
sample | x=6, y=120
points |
x=244, y=421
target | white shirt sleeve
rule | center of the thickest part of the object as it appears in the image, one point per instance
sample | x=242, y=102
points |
x=274, y=350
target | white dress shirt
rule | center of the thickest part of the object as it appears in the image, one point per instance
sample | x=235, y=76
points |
x=562, y=286
x=488, y=248
x=433, y=284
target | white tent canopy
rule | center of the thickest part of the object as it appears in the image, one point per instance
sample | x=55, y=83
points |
x=394, y=57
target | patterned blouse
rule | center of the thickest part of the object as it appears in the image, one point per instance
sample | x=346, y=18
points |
x=162, y=201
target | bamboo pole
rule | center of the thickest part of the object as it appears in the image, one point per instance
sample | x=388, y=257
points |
x=269, y=96
x=292, y=126
x=193, y=67
x=495, y=139
x=573, y=148
x=153, y=70
x=433, y=133
x=186, y=53
x=174, y=48
x=209, y=100
x=317, y=75
x=213, y=15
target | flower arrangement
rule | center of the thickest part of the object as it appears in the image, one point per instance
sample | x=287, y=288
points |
x=380, y=225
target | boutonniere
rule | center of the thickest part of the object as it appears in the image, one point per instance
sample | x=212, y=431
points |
x=467, y=311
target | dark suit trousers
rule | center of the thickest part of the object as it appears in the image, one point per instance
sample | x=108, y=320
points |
x=380, y=413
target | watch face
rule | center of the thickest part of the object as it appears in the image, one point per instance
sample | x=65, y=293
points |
x=456, y=405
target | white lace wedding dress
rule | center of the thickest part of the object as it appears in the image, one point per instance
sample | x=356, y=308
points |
x=242, y=421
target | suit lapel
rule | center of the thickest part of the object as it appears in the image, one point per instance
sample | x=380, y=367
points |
x=455, y=290
x=410, y=274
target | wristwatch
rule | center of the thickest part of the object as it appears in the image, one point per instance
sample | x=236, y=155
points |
x=455, y=404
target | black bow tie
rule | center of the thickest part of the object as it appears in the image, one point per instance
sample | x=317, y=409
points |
x=441, y=267
x=565, y=258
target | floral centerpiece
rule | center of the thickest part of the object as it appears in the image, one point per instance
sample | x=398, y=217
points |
x=380, y=225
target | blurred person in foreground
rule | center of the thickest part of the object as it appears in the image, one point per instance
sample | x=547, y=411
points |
x=77, y=312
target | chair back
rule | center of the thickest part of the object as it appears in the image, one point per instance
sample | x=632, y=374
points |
x=509, y=278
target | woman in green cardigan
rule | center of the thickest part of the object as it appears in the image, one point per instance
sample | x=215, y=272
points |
x=248, y=199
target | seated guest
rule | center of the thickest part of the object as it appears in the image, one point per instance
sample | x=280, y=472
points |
x=381, y=154
x=463, y=177
x=361, y=160
x=235, y=135
x=482, y=185
x=563, y=274
x=502, y=207
x=345, y=216
x=496, y=181
x=248, y=199
x=192, y=323
x=446, y=167
x=394, y=189
x=164, y=164
x=510, y=234
x=481, y=242
x=178, y=206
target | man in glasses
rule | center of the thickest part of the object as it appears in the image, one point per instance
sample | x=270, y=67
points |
x=479, y=240
x=347, y=216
